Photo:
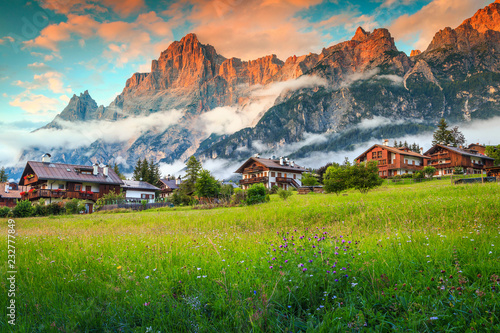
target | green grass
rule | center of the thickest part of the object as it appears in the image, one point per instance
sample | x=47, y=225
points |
x=411, y=254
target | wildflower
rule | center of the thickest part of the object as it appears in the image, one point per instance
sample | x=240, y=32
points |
x=119, y=267
x=433, y=318
x=286, y=261
x=305, y=269
x=270, y=267
x=301, y=265
x=198, y=269
x=147, y=277
x=147, y=304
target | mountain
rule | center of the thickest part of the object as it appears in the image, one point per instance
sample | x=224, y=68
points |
x=218, y=107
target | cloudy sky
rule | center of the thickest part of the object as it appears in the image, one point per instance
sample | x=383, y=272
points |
x=53, y=49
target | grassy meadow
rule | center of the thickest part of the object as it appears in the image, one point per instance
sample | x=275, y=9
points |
x=407, y=258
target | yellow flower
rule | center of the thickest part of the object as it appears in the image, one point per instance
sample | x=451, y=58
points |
x=119, y=267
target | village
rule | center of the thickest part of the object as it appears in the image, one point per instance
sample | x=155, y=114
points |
x=57, y=183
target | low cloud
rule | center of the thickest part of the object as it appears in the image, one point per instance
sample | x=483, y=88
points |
x=359, y=76
x=74, y=135
x=229, y=119
x=378, y=121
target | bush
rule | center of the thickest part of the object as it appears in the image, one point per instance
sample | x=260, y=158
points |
x=179, y=198
x=336, y=179
x=4, y=212
x=429, y=171
x=308, y=179
x=284, y=194
x=274, y=189
x=110, y=198
x=55, y=209
x=74, y=206
x=364, y=176
x=418, y=175
x=257, y=193
x=238, y=197
x=40, y=210
x=23, y=209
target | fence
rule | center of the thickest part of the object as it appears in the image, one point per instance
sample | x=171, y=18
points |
x=135, y=206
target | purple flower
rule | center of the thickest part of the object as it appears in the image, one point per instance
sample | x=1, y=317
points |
x=327, y=272
x=310, y=260
x=286, y=261
x=305, y=269
x=270, y=267
x=336, y=280
x=301, y=265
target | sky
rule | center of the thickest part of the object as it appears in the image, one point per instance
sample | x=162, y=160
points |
x=53, y=49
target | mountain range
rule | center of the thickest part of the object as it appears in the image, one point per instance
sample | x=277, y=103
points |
x=226, y=108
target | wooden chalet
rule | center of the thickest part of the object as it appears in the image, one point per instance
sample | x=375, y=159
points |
x=168, y=186
x=393, y=161
x=137, y=191
x=270, y=172
x=493, y=171
x=9, y=194
x=445, y=158
x=56, y=182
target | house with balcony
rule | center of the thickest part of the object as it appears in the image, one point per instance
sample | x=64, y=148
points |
x=270, y=172
x=394, y=161
x=56, y=182
x=445, y=158
x=137, y=191
x=168, y=185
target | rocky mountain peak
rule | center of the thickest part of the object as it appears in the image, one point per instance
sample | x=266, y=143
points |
x=360, y=35
x=486, y=19
x=415, y=53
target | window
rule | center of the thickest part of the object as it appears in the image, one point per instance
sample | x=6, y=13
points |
x=85, y=172
x=413, y=162
x=146, y=196
x=279, y=174
x=374, y=154
x=379, y=154
x=61, y=186
x=294, y=176
x=78, y=187
x=273, y=174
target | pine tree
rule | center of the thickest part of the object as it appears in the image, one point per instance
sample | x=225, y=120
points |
x=193, y=167
x=442, y=135
x=137, y=170
x=4, y=176
x=405, y=144
x=395, y=144
x=144, y=170
x=116, y=169
x=400, y=144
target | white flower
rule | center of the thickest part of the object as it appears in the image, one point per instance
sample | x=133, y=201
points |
x=433, y=318
x=198, y=268
x=147, y=277
x=354, y=284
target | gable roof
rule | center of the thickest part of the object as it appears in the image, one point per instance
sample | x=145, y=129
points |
x=393, y=150
x=12, y=194
x=68, y=172
x=459, y=151
x=138, y=185
x=170, y=183
x=271, y=164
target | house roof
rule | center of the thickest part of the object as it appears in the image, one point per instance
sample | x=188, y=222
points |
x=68, y=172
x=393, y=150
x=271, y=164
x=12, y=194
x=138, y=185
x=459, y=151
x=170, y=183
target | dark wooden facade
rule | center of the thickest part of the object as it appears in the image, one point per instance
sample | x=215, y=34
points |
x=393, y=161
x=446, y=158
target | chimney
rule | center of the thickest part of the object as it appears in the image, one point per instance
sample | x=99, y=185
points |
x=7, y=187
x=386, y=142
x=46, y=158
x=168, y=177
x=178, y=181
x=281, y=160
x=421, y=151
x=96, y=169
x=105, y=170
x=292, y=164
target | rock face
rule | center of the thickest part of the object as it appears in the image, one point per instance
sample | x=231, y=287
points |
x=456, y=77
x=415, y=53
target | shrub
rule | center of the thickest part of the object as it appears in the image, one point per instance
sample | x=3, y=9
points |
x=418, y=175
x=55, y=209
x=179, y=198
x=364, y=176
x=23, y=209
x=308, y=179
x=40, y=210
x=74, y=206
x=257, y=193
x=226, y=191
x=458, y=171
x=4, y=212
x=274, y=189
x=429, y=171
x=336, y=179
x=238, y=197
x=110, y=198
x=284, y=194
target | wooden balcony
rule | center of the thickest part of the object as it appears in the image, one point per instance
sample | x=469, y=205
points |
x=405, y=166
x=254, y=170
x=35, y=195
x=286, y=180
x=254, y=180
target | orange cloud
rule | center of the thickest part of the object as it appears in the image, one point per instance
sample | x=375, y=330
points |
x=123, y=8
x=254, y=28
x=433, y=17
